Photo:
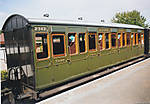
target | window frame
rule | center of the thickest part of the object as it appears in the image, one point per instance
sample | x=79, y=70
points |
x=60, y=55
x=134, y=44
x=85, y=43
x=90, y=50
x=76, y=43
x=119, y=40
x=125, y=39
x=109, y=40
x=128, y=33
x=103, y=41
x=48, y=45
x=132, y=39
x=138, y=38
x=142, y=38
x=116, y=40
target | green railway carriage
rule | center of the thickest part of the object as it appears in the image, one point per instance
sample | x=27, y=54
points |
x=47, y=52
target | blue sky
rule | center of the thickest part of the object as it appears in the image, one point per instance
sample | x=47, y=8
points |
x=90, y=10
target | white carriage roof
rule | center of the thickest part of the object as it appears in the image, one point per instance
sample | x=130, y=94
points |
x=81, y=23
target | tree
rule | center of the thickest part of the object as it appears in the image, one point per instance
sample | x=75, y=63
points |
x=130, y=17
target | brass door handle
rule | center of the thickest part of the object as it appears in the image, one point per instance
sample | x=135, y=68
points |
x=69, y=61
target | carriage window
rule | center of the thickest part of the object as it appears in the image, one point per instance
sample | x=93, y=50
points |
x=135, y=39
x=139, y=38
x=123, y=39
x=41, y=46
x=128, y=38
x=82, y=42
x=100, y=41
x=58, y=45
x=119, y=40
x=132, y=35
x=107, y=40
x=92, y=44
x=72, y=43
x=113, y=40
x=142, y=38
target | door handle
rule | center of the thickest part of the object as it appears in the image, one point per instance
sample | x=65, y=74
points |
x=69, y=61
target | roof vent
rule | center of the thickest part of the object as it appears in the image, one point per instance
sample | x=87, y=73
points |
x=102, y=20
x=46, y=15
x=80, y=18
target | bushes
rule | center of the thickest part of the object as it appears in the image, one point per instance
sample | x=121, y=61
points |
x=4, y=74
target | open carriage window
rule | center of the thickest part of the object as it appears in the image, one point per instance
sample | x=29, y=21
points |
x=58, y=44
x=142, y=38
x=113, y=40
x=100, y=41
x=135, y=41
x=128, y=38
x=41, y=46
x=139, y=38
x=107, y=40
x=123, y=39
x=72, y=43
x=132, y=35
x=92, y=42
x=82, y=42
x=119, y=39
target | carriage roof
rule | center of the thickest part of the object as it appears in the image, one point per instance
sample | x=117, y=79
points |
x=81, y=23
x=18, y=21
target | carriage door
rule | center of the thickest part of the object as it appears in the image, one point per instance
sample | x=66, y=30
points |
x=59, y=56
x=43, y=61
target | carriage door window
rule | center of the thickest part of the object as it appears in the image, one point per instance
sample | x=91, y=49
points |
x=132, y=35
x=142, y=38
x=72, y=43
x=82, y=42
x=128, y=38
x=119, y=40
x=139, y=38
x=58, y=44
x=107, y=40
x=100, y=41
x=135, y=39
x=113, y=40
x=123, y=39
x=41, y=46
x=92, y=42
